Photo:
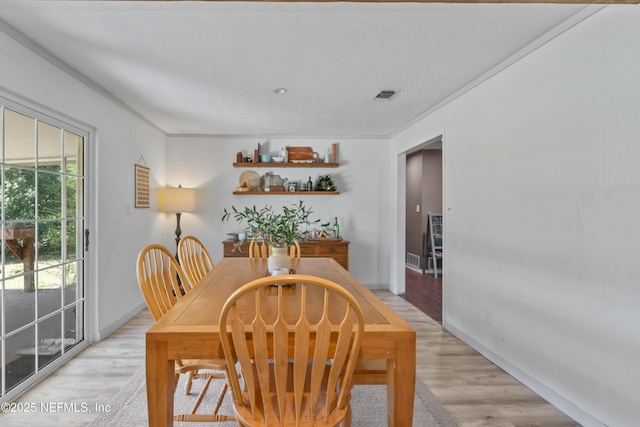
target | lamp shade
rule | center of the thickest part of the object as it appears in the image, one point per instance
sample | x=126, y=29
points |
x=178, y=199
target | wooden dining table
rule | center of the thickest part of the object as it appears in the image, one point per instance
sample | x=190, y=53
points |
x=190, y=330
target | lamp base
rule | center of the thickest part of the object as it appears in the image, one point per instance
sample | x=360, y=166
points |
x=178, y=232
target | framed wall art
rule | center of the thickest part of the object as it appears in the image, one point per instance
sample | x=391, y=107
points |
x=142, y=186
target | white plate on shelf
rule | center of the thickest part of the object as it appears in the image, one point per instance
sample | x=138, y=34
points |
x=248, y=176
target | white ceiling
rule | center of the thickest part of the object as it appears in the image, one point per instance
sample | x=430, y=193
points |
x=212, y=67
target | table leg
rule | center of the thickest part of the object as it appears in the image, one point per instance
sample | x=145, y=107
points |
x=160, y=385
x=401, y=382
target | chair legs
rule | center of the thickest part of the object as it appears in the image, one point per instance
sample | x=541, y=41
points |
x=203, y=418
x=223, y=393
x=189, y=381
x=210, y=417
x=205, y=387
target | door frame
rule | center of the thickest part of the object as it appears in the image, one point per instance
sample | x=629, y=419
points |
x=21, y=105
x=398, y=261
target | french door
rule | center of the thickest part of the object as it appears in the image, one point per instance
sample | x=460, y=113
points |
x=43, y=189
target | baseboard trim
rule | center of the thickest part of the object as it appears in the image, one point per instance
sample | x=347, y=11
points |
x=560, y=402
x=413, y=268
x=109, y=329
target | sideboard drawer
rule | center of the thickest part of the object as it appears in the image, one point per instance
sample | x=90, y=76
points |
x=231, y=249
x=332, y=249
x=308, y=249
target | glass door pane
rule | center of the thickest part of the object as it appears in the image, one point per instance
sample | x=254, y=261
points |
x=42, y=312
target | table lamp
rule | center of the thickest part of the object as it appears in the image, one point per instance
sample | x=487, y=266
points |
x=179, y=200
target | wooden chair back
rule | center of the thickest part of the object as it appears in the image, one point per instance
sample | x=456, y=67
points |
x=159, y=278
x=283, y=338
x=158, y=275
x=294, y=250
x=194, y=259
x=258, y=249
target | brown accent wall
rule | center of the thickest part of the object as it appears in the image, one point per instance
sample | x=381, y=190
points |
x=424, y=188
x=414, y=197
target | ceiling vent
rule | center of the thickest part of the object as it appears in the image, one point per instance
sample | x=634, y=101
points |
x=385, y=94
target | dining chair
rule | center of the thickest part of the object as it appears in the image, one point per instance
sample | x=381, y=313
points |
x=194, y=259
x=159, y=277
x=258, y=249
x=270, y=324
x=294, y=250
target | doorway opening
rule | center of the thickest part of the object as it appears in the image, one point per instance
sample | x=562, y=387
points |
x=424, y=195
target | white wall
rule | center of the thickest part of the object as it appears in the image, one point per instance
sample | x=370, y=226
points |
x=205, y=163
x=118, y=140
x=542, y=192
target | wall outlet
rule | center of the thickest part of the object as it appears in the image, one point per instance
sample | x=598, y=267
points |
x=127, y=208
x=418, y=208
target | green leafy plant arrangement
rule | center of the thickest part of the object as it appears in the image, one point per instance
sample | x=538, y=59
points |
x=278, y=229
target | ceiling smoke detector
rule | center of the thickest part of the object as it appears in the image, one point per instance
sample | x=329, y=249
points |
x=386, y=94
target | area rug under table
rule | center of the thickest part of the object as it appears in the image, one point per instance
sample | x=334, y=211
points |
x=128, y=408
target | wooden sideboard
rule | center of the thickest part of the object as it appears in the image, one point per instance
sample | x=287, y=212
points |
x=336, y=249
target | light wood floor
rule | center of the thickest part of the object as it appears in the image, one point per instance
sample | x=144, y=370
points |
x=473, y=390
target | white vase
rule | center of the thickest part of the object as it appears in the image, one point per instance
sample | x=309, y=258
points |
x=279, y=258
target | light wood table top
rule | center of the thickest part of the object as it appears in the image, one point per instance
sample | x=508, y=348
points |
x=190, y=330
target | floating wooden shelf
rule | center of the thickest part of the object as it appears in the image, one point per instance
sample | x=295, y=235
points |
x=279, y=193
x=285, y=165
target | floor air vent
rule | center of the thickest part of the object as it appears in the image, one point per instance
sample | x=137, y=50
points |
x=413, y=260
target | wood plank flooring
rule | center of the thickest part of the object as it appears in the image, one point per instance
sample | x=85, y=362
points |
x=472, y=390
x=425, y=292
x=93, y=378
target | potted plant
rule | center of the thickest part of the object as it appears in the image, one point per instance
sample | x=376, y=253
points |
x=277, y=229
